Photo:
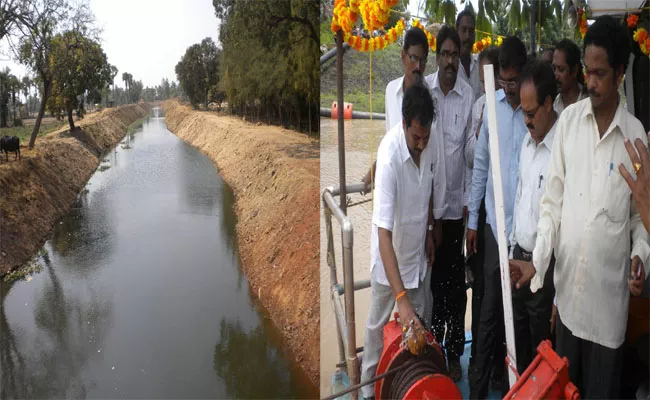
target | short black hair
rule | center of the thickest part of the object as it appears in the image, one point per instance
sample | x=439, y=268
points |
x=418, y=105
x=415, y=36
x=512, y=54
x=491, y=54
x=571, y=55
x=611, y=35
x=467, y=12
x=541, y=74
x=446, y=32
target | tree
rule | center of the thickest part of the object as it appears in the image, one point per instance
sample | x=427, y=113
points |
x=78, y=66
x=198, y=71
x=280, y=41
x=27, y=84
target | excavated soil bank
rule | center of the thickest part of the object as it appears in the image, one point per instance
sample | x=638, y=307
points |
x=275, y=175
x=38, y=190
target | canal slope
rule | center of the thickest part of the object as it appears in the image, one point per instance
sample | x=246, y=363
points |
x=38, y=190
x=275, y=176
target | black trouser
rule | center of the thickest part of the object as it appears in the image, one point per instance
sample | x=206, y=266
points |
x=448, y=288
x=531, y=313
x=594, y=369
x=488, y=346
x=476, y=265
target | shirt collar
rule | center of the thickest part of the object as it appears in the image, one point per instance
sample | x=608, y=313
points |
x=436, y=83
x=548, y=139
x=403, y=147
x=616, y=121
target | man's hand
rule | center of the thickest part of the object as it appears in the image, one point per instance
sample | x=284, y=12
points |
x=367, y=184
x=638, y=277
x=521, y=272
x=472, y=242
x=553, y=318
x=406, y=313
x=641, y=186
x=431, y=249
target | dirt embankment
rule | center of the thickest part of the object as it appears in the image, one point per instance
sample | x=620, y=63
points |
x=275, y=175
x=40, y=189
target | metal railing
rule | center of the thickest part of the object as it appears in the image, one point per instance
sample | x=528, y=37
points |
x=343, y=313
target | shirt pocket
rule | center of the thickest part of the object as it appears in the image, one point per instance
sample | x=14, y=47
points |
x=617, y=206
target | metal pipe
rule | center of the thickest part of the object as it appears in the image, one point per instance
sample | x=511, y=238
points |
x=327, y=56
x=348, y=280
x=358, y=285
x=339, y=95
x=340, y=319
x=370, y=381
x=327, y=112
x=353, y=188
x=331, y=261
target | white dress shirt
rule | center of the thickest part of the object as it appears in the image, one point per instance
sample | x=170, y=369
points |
x=477, y=112
x=589, y=217
x=558, y=104
x=474, y=79
x=393, y=101
x=453, y=112
x=401, y=204
x=533, y=166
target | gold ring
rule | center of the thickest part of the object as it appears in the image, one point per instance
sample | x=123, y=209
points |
x=637, y=168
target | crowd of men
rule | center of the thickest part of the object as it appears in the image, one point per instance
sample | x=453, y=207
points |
x=570, y=214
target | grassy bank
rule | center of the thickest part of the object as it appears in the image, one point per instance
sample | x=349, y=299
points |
x=25, y=132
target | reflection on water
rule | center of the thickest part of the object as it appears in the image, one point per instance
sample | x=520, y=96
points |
x=140, y=280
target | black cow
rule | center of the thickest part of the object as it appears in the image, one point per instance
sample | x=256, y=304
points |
x=10, y=144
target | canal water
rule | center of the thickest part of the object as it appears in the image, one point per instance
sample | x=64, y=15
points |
x=141, y=293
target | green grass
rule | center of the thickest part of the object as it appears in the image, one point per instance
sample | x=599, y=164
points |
x=25, y=132
x=360, y=100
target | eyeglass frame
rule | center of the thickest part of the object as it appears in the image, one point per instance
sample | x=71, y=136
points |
x=415, y=59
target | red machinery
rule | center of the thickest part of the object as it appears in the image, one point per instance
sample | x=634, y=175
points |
x=547, y=377
x=424, y=378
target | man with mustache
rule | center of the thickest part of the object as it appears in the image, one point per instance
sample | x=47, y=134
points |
x=512, y=129
x=453, y=99
x=532, y=311
x=588, y=217
x=568, y=75
x=402, y=222
x=469, y=68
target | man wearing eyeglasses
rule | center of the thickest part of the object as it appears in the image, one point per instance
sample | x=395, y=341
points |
x=512, y=130
x=453, y=99
x=589, y=219
x=532, y=311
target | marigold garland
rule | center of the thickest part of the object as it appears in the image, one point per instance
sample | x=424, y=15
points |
x=486, y=42
x=632, y=20
x=376, y=43
x=582, y=22
x=430, y=38
x=640, y=36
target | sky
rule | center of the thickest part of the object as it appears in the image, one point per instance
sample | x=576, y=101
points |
x=147, y=38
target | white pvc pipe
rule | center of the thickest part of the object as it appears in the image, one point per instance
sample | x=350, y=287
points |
x=495, y=162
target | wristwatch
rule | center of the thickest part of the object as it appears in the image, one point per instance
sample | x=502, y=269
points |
x=430, y=228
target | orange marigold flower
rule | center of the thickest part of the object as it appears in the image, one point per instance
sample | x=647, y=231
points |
x=632, y=20
x=642, y=35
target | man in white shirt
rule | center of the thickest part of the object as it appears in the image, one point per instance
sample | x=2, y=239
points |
x=469, y=69
x=568, y=74
x=402, y=222
x=453, y=99
x=588, y=216
x=532, y=311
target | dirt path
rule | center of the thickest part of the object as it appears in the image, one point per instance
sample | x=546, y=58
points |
x=275, y=175
x=39, y=189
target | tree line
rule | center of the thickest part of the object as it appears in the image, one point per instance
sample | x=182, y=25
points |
x=267, y=68
x=69, y=71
